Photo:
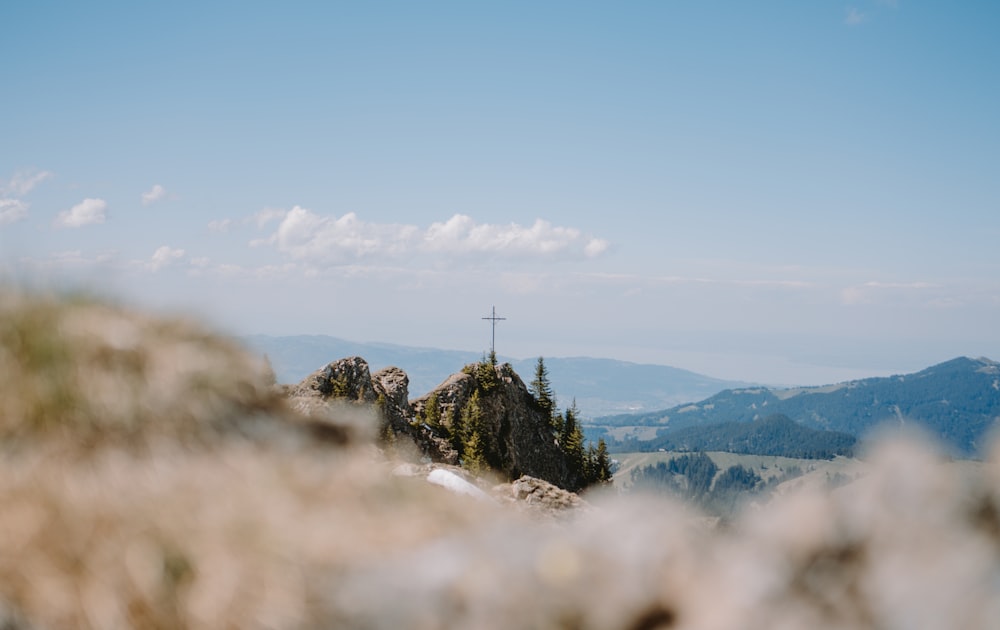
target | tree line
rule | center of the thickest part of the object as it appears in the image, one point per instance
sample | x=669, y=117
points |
x=695, y=478
x=588, y=464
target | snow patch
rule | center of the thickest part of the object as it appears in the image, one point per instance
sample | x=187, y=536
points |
x=450, y=481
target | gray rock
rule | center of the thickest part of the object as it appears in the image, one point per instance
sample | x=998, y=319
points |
x=518, y=436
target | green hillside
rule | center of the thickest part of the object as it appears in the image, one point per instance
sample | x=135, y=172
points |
x=957, y=401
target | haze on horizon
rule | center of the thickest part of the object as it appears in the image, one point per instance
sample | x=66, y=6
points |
x=787, y=193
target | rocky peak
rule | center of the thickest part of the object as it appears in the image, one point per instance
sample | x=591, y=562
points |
x=515, y=432
x=350, y=380
x=393, y=384
x=517, y=435
x=347, y=378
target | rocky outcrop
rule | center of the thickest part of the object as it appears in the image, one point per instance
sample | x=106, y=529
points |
x=393, y=385
x=345, y=379
x=541, y=498
x=386, y=392
x=349, y=380
x=517, y=436
x=517, y=433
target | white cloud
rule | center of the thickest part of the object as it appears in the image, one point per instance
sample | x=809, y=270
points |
x=305, y=235
x=267, y=215
x=855, y=16
x=164, y=256
x=259, y=219
x=24, y=182
x=87, y=212
x=462, y=235
x=595, y=247
x=202, y=267
x=154, y=194
x=12, y=210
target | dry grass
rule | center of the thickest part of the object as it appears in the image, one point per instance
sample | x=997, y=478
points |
x=94, y=374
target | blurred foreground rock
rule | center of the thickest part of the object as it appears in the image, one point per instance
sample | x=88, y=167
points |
x=152, y=477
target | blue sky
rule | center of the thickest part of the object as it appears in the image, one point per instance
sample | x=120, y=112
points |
x=787, y=192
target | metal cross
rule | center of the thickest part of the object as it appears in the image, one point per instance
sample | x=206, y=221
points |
x=494, y=319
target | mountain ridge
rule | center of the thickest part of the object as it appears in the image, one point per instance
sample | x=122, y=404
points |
x=957, y=401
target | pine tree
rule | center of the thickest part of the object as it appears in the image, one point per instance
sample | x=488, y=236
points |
x=542, y=391
x=603, y=462
x=473, y=448
x=486, y=376
x=590, y=465
x=474, y=459
x=432, y=411
x=571, y=441
x=452, y=425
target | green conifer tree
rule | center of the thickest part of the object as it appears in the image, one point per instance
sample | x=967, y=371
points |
x=452, y=425
x=590, y=465
x=486, y=376
x=458, y=432
x=432, y=411
x=474, y=459
x=542, y=391
x=571, y=442
x=603, y=463
x=472, y=451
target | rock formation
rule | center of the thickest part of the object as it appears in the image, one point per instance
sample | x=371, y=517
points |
x=517, y=434
x=518, y=438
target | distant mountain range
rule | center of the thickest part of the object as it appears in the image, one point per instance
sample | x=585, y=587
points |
x=600, y=386
x=958, y=401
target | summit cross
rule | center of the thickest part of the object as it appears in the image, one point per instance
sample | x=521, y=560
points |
x=494, y=319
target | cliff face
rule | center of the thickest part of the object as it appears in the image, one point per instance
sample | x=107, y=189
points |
x=516, y=434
